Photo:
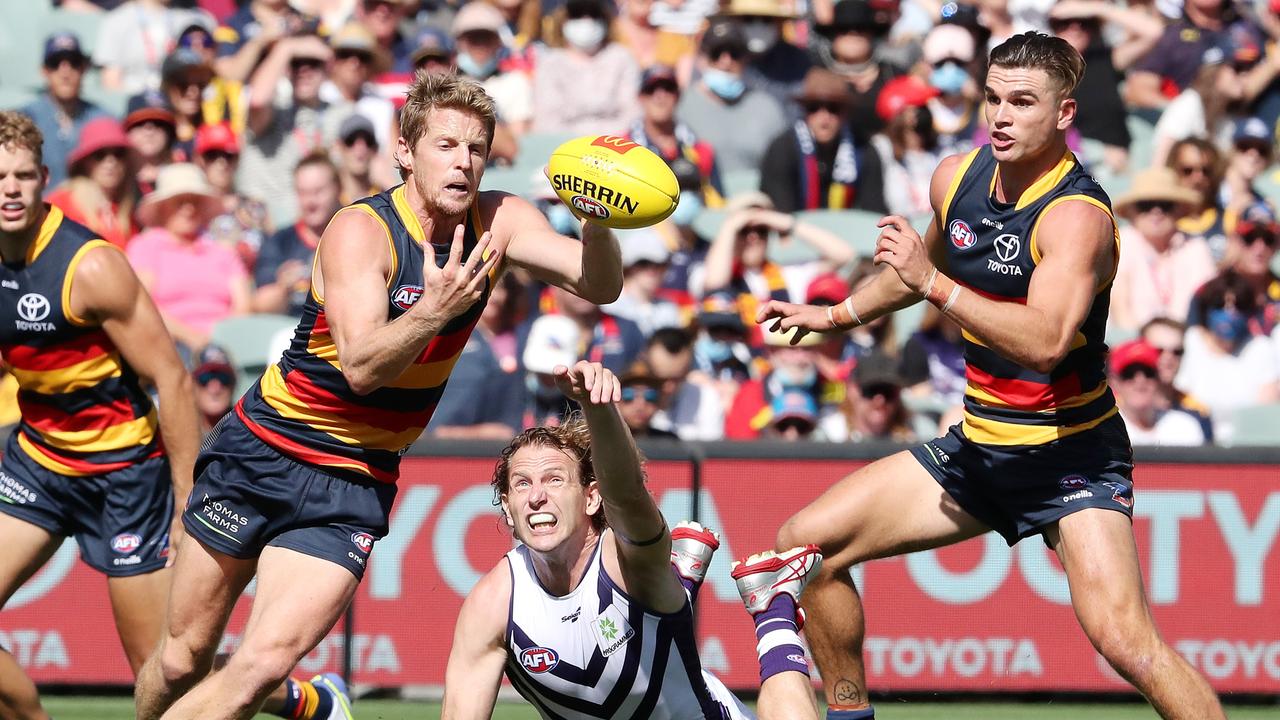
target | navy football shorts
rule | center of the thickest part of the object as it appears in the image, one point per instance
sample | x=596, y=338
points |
x=1018, y=490
x=248, y=495
x=119, y=519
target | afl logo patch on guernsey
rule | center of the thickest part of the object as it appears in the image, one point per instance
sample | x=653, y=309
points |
x=962, y=235
x=363, y=540
x=539, y=659
x=126, y=543
x=588, y=206
x=406, y=295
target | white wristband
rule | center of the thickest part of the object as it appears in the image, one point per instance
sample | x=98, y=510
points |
x=848, y=305
x=929, y=285
x=831, y=318
x=951, y=299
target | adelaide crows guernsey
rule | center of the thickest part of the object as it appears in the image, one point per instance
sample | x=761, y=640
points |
x=991, y=250
x=83, y=409
x=304, y=408
x=596, y=653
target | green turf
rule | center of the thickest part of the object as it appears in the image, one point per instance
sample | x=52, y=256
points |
x=117, y=708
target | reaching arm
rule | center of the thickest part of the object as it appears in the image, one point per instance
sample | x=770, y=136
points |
x=354, y=263
x=718, y=265
x=1142, y=30
x=474, y=672
x=105, y=290
x=591, y=269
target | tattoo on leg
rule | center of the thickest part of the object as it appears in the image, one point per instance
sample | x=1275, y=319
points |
x=848, y=694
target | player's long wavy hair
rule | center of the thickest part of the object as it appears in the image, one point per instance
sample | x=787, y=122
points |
x=18, y=130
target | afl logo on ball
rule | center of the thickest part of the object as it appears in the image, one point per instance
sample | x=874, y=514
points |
x=406, y=295
x=539, y=659
x=590, y=207
x=962, y=235
x=126, y=543
x=363, y=540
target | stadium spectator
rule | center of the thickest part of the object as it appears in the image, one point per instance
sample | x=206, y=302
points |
x=660, y=131
x=847, y=47
x=774, y=65
x=948, y=50
x=1226, y=366
x=791, y=368
x=1098, y=102
x=688, y=248
x=876, y=336
x=1251, y=153
x=908, y=146
x=1168, y=338
x=149, y=124
x=59, y=111
x=644, y=264
x=486, y=396
x=1160, y=268
x=689, y=406
x=932, y=364
x=872, y=407
x=357, y=58
x=223, y=99
x=721, y=351
x=215, y=385
x=1135, y=380
x=184, y=76
x=246, y=37
x=679, y=24
x=814, y=164
x=434, y=52
x=356, y=151
x=552, y=340
x=133, y=40
x=636, y=32
x=612, y=341
x=719, y=105
x=793, y=415
x=834, y=354
x=1251, y=251
x=524, y=28
x=194, y=282
x=1197, y=165
x=585, y=82
x=282, y=132
x=99, y=194
x=383, y=19
x=283, y=269
x=243, y=225
x=641, y=392
x=1202, y=110
x=477, y=34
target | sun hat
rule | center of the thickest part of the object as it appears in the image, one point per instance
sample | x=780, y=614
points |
x=174, y=181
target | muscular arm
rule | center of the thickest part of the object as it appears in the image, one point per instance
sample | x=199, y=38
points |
x=474, y=672
x=591, y=269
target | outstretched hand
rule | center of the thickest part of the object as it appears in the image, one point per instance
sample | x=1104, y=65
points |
x=588, y=383
x=448, y=291
x=901, y=247
x=785, y=316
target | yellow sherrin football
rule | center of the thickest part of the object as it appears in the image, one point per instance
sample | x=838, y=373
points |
x=613, y=181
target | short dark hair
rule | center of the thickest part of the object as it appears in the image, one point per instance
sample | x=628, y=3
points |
x=672, y=339
x=318, y=158
x=1037, y=50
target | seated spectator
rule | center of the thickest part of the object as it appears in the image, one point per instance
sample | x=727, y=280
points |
x=721, y=351
x=611, y=341
x=435, y=53
x=814, y=164
x=133, y=40
x=383, y=18
x=1135, y=381
x=933, y=368
x=183, y=79
x=486, y=396
x=774, y=65
x=562, y=101
x=1167, y=338
x=679, y=23
x=792, y=368
x=847, y=47
x=357, y=149
x=834, y=355
x=719, y=105
x=223, y=99
x=636, y=32
x=793, y=416
x=872, y=408
x=99, y=193
x=1196, y=163
x=1160, y=268
x=59, y=111
x=552, y=341
x=243, y=225
x=249, y=34
x=641, y=392
x=283, y=270
x=357, y=59
x=1225, y=365
x=149, y=125
x=658, y=130
x=523, y=30
x=194, y=282
x=688, y=247
x=215, y=381
x=949, y=52
x=1250, y=252
x=644, y=264
x=908, y=147
x=1251, y=152
x=477, y=34
x=689, y=406
x=1202, y=110
x=877, y=336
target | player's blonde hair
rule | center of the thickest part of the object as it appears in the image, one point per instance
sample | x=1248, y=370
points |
x=431, y=91
x=18, y=130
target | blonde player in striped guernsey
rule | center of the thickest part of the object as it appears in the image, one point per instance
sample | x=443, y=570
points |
x=300, y=479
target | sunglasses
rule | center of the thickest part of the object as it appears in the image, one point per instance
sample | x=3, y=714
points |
x=57, y=62
x=1146, y=206
x=1134, y=371
x=103, y=154
x=649, y=395
x=886, y=390
x=754, y=230
x=1262, y=148
x=364, y=137
x=216, y=155
x=1189, y=170
x=300, y=64
x=209, y=376
x=832, y=107
x=663, y=85
x=342, y=55
x=801, y=426
x=1175, y=351
x=1259, y=236
x=1060, y=24
x=957, y=61
x=734, y=52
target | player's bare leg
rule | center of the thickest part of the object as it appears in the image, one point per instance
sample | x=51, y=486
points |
x=19, y=699
x=206, y=585
x=1098, y=552
x=27, y=548
x=890, y=507
x=138, y=603
x=286, y=622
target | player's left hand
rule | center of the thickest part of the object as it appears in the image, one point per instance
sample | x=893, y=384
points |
x=588, y=383
x=902, y=248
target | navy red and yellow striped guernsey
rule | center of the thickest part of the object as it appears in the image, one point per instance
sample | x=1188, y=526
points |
x=303, y=406
x=83, y=409
x=991, y=250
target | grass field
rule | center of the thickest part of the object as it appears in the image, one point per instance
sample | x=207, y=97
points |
x=119, y=708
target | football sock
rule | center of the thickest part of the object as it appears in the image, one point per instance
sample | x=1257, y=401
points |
x=692, y=586
x=304, y=701
x=866, y=713
x=778, y=639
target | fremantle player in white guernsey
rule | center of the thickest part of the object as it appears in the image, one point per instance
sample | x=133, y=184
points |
x=591, y=615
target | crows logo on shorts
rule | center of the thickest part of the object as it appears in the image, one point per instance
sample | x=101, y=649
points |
x=1121, y=494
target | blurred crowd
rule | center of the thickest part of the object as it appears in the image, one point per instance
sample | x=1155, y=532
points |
x=247, y=125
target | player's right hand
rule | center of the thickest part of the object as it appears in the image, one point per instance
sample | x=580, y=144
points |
x=785, y=316
x=448, y=291
x=588, y=383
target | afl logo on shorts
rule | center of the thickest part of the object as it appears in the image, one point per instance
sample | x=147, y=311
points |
x=588, y=206
x=539, y=659
x=406, y=295
x=962, y=235
x=1073, y=482
x=125, y=543
x=363, y=540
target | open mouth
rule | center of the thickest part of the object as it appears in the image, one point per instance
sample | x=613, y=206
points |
x=458, y=188
x=1001, y=140
x=13, y=210
x=541, y=521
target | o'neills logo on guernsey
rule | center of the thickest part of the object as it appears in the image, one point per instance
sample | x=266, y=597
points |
x=587, y=190
x=617, y=144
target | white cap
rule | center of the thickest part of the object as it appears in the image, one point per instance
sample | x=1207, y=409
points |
x=553, y=340
x=948, y=41
x=642, y=245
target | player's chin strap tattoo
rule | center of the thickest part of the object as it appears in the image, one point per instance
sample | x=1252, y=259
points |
x=643, y=543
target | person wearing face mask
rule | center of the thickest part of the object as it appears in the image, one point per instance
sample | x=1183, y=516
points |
x=847, y=46
x=720, y=104
x=948, y=51
x=688, y=248
x=1225, y=365
x=658, y=130
x=477, y=36
x=720, y=351
x=587, y=83
x=775, y=66
x=792, y=368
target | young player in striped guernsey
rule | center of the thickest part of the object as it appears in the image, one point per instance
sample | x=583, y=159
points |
x=299, y=481
x=591, y=616
x=1021, y=255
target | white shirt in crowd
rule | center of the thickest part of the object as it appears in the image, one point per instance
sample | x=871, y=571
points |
x=1226, y=382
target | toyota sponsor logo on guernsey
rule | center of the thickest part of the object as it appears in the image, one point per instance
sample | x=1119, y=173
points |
x=1007, y=247
x=538, y=660
x=363, y=540
x=962, y=235
x=32, y=309
x=406, y=295
x=125, y=543
x=588, y=206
